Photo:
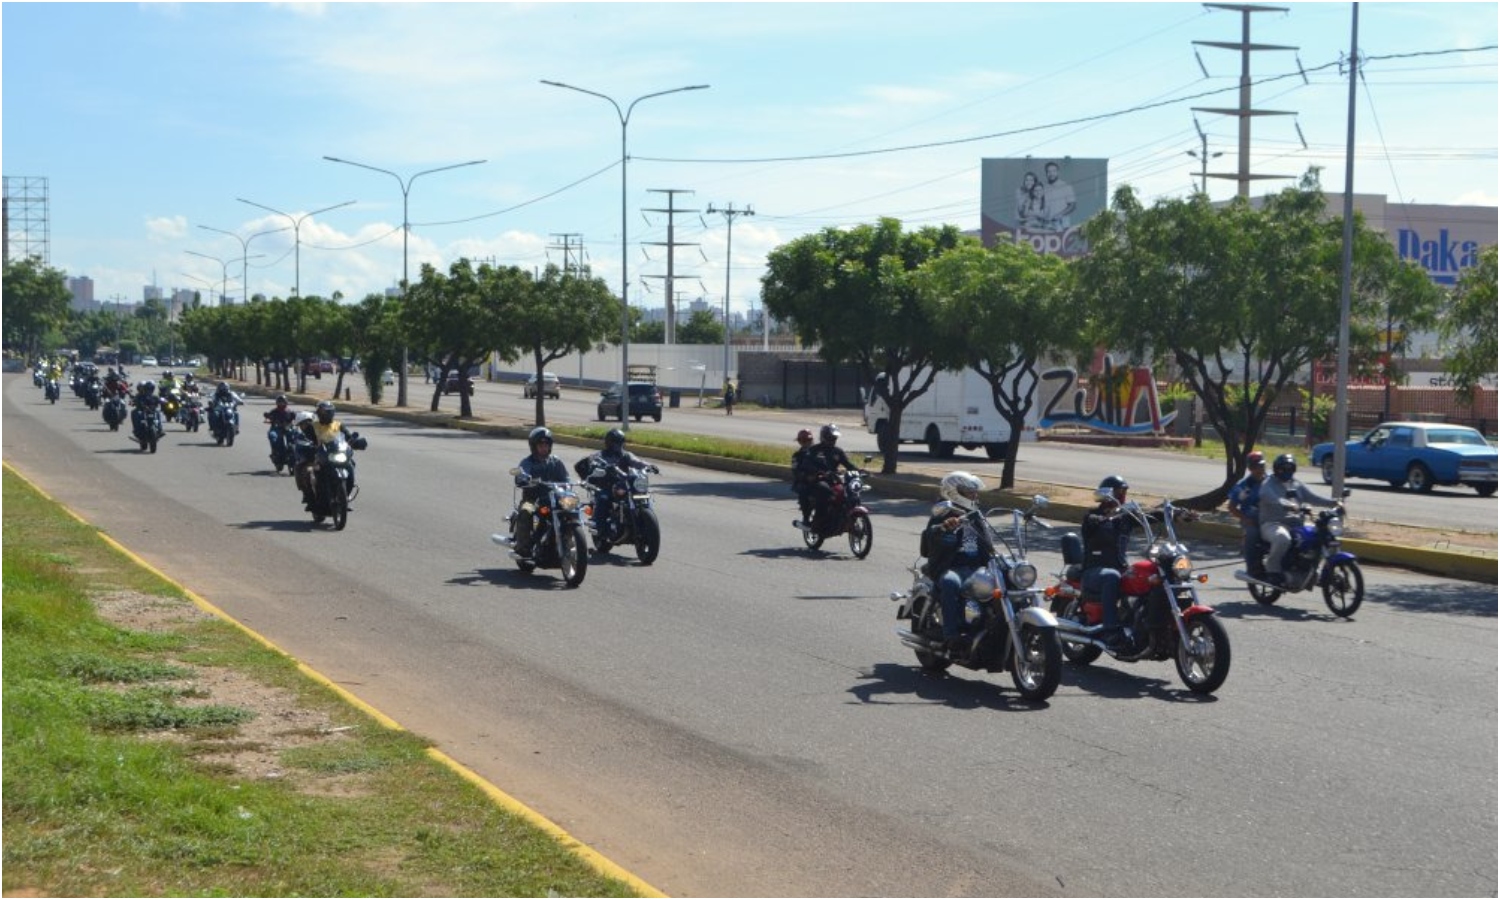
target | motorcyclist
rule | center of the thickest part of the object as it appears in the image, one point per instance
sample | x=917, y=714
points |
x=1281, y=500
x=280, y=417
x=543, y=466
x=304, y=454
x=803, y=476
x=168, y=382
x=1106, y=539
x=115, y=383
x=146, y=403
x=598, y=471
x=223, y=393
x=1244, y=505
x=956, y=542
x=824, y=460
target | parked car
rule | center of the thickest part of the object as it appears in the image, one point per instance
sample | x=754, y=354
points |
x=645, y=400
x=149, y=362
x=551, y=387
x=454, y=381
x=387, y=377
x=1418, y=455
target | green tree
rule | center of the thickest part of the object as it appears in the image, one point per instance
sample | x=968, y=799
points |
x=554, y=316
x=1469, y=322
x=702, y=327
x=36, y=300
x=642, y=332
x=1005, y=307
x=453, y=321
x=852, y=292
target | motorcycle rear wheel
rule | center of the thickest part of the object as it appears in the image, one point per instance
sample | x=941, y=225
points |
x=572, y=555
x=1344, y=589
x=861, y=535
x=1037, y=671
x=1076, y=653
x=1263, y=595
x=1205, y=672
x=926, y=626
x=647, y=536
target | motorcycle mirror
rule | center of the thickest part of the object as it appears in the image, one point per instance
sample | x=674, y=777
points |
x=1039, y=501
x=515, y=470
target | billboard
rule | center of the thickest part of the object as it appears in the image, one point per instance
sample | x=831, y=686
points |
x=1043, y=201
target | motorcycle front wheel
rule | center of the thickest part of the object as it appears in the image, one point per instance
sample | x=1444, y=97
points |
x=1203, y=662
x=811, y=537
x=338, y=504
x=861, y=535
x=1038, y=669
x=1344, y=588
x=647, y=536
x=573, y=556
x=1076, y=653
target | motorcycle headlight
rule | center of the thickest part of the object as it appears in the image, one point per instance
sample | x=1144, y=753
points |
x=1023, y=576
x=338, y=459
x=568, y=502
x=1182, y=567
x=1335, y=526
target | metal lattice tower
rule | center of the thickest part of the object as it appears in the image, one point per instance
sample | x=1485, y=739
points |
x=1244, y=112
x=26, y=232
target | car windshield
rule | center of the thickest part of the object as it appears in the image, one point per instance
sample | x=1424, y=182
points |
x=1456, y=436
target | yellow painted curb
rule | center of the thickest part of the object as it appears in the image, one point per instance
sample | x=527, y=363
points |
x=595, y=860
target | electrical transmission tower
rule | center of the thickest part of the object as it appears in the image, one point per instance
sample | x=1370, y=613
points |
x=26, y=232
x=671, y=243
x=572, y=243
x=1244, y=111
x=728, y=215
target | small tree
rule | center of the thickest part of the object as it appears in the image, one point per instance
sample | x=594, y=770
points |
x=36, y=299
x=1470, y=323
x=554, y=316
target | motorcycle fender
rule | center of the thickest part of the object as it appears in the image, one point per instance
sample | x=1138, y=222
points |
x=1192, y=612
x=861, y=509
x=1035, y=615
x=1342, y=556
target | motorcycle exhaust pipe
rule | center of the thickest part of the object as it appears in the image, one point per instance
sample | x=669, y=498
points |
x=917, y=642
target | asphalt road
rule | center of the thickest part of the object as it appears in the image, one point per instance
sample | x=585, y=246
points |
x=1152, y=473
x=739, y=719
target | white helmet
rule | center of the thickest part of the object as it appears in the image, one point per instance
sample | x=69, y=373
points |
x=961, y=489
x=302, y=417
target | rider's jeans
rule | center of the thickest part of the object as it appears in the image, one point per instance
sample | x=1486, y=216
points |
x=952, y=605
x=1104, y=584
x=1279, y=539
x=1249, y=545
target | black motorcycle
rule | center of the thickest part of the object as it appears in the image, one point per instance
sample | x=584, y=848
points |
x=843, y=512
x=52, y=392
x=224, y=420
x=1006, y=622
x=631, y=519
x=93, y=393
x=333, y=479
x=558, y=537
x=147, y=425
x=280, y=438
x=115, y=411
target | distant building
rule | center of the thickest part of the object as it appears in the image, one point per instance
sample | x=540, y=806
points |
x=82, y=289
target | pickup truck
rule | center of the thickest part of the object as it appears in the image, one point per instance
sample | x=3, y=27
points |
x=1418, y=455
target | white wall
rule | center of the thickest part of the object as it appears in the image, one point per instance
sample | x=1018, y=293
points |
x=682, y=366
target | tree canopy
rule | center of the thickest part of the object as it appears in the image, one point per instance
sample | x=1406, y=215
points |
x=1470, y=325
x=36, y=299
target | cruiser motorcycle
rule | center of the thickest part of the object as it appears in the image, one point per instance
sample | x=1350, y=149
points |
x=632, y=518
x=1314, y=559
x=1007, y=623
x=844, y=513
x=1158, y=605
x=559, y=539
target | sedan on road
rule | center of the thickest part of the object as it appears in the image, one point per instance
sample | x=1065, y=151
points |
x=1418, y=455
x=551, y=387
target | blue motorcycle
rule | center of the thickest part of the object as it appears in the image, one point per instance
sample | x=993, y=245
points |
x=1315, y=559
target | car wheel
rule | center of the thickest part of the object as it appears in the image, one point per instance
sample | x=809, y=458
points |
x=1419, y=478
x=1328, y=469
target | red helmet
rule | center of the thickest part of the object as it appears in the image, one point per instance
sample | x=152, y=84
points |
x=1255, y=458
x=804, y=436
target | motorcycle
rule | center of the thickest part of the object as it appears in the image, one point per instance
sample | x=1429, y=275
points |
x=632, y=520
x=93, y=393
x=224, y=421
x=51, y=392
x=1158, y=605
x=842, y=513
x=38, y=377
x=1008, y=625
x=147, y=425
x=281, y=448
x=171, y=404
x=1313, y=559
x=191, y=414
x=558, y=537
x=115, y=410
x=333, y=479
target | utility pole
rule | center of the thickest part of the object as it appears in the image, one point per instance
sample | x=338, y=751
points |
x=671, y=244
x=728, y=215
x=571, y=243
x=1203, y=157
x=1244, y=111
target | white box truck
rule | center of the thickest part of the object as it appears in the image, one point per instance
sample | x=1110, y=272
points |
x=958, y=410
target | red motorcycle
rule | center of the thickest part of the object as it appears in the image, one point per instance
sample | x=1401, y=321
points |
x=1158, y=605
x=842, y=513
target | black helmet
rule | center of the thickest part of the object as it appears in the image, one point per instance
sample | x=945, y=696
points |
x=615, y=440
x=829, y=434
x=1113, y=487
x=538, y=434
x=280, y=399
x=1285, y=466
x=325, y=412
x=148, y=386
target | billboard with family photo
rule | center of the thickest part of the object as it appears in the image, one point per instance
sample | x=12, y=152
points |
x=1041, y=200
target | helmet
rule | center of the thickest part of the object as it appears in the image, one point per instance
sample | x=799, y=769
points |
x=148, y=386
x=1112, y=488
x=325, y=412
x=804, y=437
x=303, y=418
x=961, y=489
x=615, y=440
x=829, y=434
x=1285, y=466
x=281, y=399
x=1255, y=458
x=538, y=434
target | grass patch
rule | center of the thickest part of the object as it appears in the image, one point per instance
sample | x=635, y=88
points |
x=120, y=780
x=641, y=441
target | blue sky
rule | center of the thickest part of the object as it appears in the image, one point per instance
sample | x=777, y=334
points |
x=150, y=120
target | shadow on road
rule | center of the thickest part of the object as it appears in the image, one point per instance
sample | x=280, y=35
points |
x=890, y=683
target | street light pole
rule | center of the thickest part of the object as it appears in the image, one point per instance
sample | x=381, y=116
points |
x=624, y=230
x=296, y=234
x=245, y=249
x=224, y=285
x=405, y=235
